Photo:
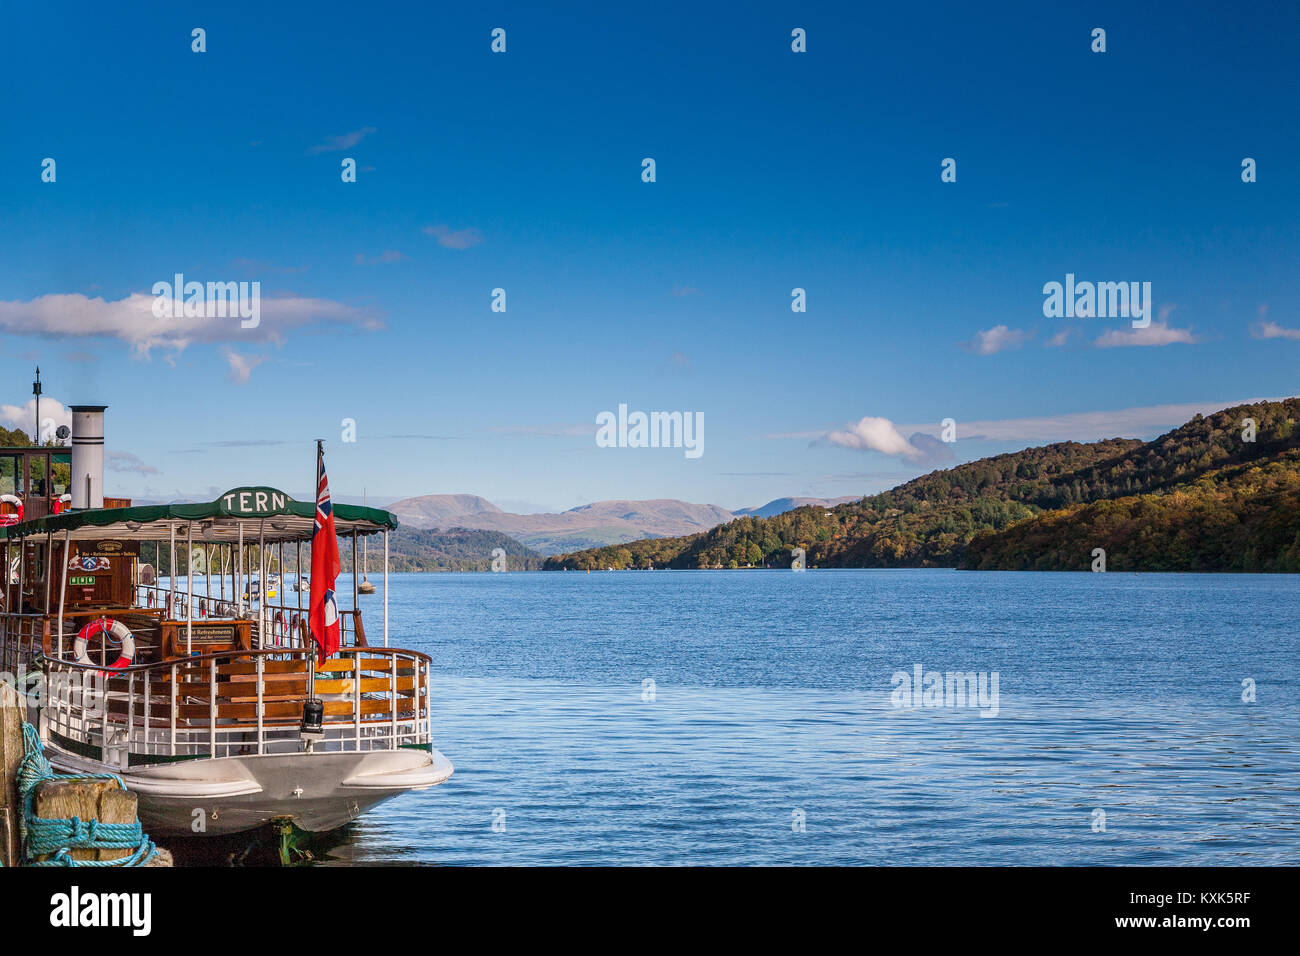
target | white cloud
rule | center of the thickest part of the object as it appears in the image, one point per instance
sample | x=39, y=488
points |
x=131, y=320
x=1157, y=333
x=388, y=255
x=1271, y=330
x=1136, y=422
x=335, y=143
x=126, y=461
x=1060, y=338
x=997, y=339
x=454, y=239
x=550, y=431
x=24, y=416
x=241, y=366
x=1144, y=421
x=874, y=434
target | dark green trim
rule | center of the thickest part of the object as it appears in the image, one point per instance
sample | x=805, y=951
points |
x=92, y=752
x=89, y=751
x=142, y=760
x=148, y=514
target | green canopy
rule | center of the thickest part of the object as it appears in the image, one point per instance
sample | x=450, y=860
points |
x=263, y=512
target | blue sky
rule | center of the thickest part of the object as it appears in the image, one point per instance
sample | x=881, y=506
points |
x=522, y=171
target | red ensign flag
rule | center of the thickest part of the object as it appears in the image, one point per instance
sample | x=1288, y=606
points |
x=324, y=613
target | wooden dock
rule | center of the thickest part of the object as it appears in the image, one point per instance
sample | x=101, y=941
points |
x=83, y=797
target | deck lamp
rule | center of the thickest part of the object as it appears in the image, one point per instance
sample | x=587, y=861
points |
x=313, y=720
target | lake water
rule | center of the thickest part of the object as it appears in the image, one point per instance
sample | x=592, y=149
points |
x=771, y=704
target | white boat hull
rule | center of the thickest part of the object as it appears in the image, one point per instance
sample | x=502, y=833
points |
x=318, y=792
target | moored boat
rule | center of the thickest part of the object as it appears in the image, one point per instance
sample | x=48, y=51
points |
x=253, y=591
x=221, y=716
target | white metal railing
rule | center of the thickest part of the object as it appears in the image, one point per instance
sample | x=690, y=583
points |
x=181, y=604
x=280, y=624
x=239, y=703
x=21, y=636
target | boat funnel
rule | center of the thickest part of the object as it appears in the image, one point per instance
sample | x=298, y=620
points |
x=87, y=456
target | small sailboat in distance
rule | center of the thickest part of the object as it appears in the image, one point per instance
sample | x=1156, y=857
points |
x=365, y=587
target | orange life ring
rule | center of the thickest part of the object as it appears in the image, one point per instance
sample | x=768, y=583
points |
x=12, y=519
x=112, y=628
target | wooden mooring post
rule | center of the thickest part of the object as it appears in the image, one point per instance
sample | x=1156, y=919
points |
x=11, y=754
x=84, y=797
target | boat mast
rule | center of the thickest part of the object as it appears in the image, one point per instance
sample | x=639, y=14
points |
x=36, y=390
x=189, y=587
x=171, y=571
x=385, y=585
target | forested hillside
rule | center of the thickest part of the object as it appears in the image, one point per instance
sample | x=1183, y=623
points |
x=1203, y=488
x=454, y=549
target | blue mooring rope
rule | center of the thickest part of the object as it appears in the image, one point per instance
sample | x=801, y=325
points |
x=45, y=835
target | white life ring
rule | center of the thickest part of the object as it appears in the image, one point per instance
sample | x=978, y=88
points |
x=114, y=629
x=12, y=519
x=61, y=504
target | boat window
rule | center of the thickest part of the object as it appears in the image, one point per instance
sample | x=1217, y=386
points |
x=36, y=476
x=9, y=474
x=61, y=472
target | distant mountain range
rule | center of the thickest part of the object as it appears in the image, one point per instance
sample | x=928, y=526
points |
x=587, y=526
x=781, y=505
x=1220, y=493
